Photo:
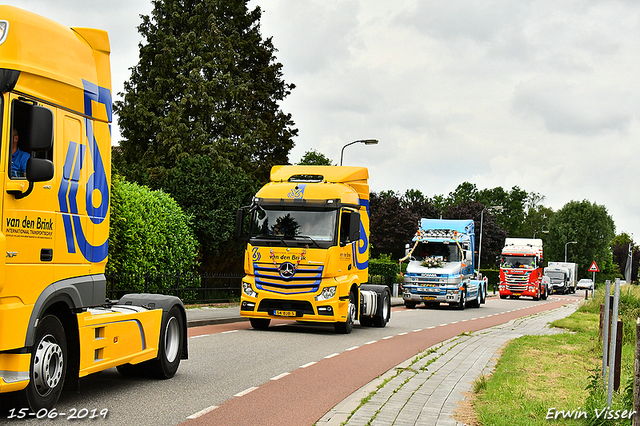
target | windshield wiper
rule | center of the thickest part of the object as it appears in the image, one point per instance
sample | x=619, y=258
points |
x=308, y=238
x=279, y=238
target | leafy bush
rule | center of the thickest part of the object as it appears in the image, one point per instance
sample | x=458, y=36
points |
x=383, y=267
x=149, y=233
x=493, y=276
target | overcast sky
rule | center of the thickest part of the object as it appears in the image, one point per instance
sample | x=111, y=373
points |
x=542, y=94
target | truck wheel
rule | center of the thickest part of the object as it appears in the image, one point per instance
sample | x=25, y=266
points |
x=48, y=366
x=260, y=323
x=503, y=297
x=537, y=296
x=165, y=365
x=476, y=302
x=384, y=303
x=545, y=294
x=483, y=298
x=410, y=305
x=463, y=300
x=347, y=326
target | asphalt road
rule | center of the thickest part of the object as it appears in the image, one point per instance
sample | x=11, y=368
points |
x=290, y=374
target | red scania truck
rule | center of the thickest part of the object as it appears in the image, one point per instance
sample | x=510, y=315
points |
x=521, y=269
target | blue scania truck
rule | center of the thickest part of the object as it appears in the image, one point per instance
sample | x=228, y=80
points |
x=442, y=266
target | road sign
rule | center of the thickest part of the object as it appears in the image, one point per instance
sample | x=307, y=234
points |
x=594, y=267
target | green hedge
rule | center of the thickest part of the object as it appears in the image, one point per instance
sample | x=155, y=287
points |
x=493, y=276
x=383, y=267
x=149, y=233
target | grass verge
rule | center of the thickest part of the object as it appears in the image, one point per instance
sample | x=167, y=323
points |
x=556, y=379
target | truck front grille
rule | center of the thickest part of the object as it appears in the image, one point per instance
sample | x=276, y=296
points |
x=305, y=279
x=517, y=288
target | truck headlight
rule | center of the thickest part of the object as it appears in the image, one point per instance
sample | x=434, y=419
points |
x=248, y=290
x=327, y=293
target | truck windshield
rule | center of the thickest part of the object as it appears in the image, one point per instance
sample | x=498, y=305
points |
x=290, y=224
x=438, y=251
x=518, y=262
x=556, y=275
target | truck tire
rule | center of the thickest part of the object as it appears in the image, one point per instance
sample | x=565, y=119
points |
x=463, y=300
x=483, y=298
x=48, y=367
x=384, y=304
x=537, y=296
x=165, y=365
x=260, y=323
x=410, y=305
x=347, y=326
x=545, y=293
x=476, y=302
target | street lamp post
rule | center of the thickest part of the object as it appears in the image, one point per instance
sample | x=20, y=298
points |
x=565, y=249
x=364, y=141
x=544, y=232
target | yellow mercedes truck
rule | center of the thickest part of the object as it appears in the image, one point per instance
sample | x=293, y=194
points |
x=55, y=322
x=307, y=253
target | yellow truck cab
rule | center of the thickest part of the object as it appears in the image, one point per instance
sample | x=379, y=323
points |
x=307, y=251
x=55, y=167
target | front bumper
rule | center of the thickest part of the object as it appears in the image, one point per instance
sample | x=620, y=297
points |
x=525, y=291
x=294, y=308
x=430, y=294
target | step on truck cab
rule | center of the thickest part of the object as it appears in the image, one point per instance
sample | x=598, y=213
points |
x=442, y=266
x=521, y=269
x=307, y=252
x=55, y=148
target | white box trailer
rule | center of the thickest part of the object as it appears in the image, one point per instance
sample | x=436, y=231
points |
x=568, y=282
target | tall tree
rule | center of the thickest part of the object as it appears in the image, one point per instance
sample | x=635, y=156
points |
x=511, y=213
x=211, y=193
x=419, y=205
x=465, y=192
x=391, y=226
x=586, y=223
x=492, y=235
x=315, y=158
x=206, y=84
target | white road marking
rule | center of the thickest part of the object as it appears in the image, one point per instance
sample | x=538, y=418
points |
x=202, y=412
x=279, y=376
x=246, y=391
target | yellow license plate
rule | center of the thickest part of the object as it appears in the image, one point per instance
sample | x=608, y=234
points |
x=517, y=294
x=428, y=298
x=284, y=313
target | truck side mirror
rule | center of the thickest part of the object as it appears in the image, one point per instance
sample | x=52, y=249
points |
x=39, y=170
x=240, y=234
x=349, y=227
x=40, y=129
x=354, y=226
